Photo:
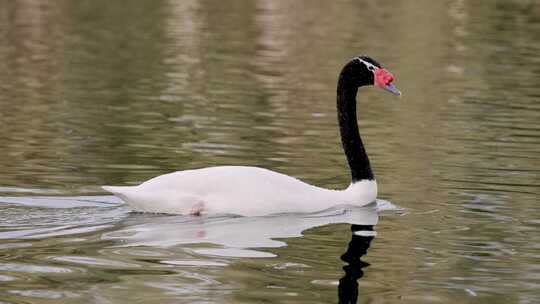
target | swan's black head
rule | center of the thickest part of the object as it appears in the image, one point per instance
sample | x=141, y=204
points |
x=364, y=71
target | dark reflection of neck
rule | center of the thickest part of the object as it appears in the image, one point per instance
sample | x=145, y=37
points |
x=358, y=246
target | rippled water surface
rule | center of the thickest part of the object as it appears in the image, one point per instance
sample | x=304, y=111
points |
x=108, y=92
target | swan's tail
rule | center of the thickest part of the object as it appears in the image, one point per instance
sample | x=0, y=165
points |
x=147, y=200
x=137, y=199
x=121, y=191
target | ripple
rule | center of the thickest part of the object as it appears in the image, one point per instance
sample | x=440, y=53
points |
x=14, y=245
x=30, y=268
x=325, y=282
x=61, y=201
x=89, y=261
x=195, y=263
x=234, y=253
x=289, y=265
x=45, y=294
x=6, y=278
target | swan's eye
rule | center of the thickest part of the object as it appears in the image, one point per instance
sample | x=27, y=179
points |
x=371, y=67
x=368, y=65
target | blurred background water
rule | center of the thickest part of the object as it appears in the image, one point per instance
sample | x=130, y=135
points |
x=109, y=92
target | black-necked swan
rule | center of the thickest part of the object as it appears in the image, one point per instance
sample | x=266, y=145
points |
x=252, y=191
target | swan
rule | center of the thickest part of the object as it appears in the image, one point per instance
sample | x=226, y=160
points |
x=254, y=191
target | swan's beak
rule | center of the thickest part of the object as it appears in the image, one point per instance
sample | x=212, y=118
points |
x=392, y=89
x=383, y=79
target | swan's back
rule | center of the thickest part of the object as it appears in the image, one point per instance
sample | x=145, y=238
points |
x=234, y=189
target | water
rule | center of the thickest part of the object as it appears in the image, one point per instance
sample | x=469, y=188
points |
x=99, y=92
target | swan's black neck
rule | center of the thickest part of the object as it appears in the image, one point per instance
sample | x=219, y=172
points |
x=348, y=127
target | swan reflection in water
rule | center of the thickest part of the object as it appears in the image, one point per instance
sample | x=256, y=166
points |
x=362, y=235
x=237, y=237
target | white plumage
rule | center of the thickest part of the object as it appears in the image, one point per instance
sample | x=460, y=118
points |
x=247, y=191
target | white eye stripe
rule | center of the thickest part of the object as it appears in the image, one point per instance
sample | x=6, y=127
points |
x=368, y=65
